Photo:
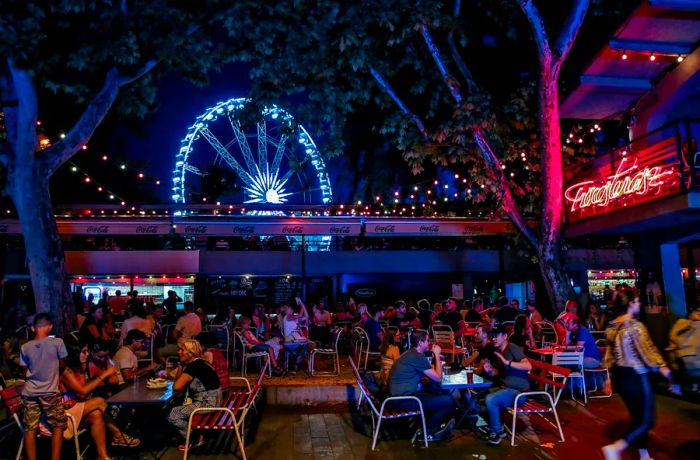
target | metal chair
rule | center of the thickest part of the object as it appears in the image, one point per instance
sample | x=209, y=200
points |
x=571, y=359
x=13, y=401
x=547, y=332
x=149, y=352
x=385, y=413
x=604, y=349
x=532, y=405
x=364, y=345
x=251, y=354
x=333, y=352
x=445, y=338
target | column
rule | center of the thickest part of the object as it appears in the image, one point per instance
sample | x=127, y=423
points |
x=673, y=279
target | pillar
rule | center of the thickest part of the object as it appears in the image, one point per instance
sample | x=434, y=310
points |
x=673, y=279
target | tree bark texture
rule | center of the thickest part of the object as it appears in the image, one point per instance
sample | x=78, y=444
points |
x=28, y=187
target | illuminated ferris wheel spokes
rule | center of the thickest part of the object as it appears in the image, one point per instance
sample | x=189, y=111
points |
x=263, y=180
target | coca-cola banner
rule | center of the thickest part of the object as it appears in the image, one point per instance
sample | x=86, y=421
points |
x=289, y=227
x=113, y=227
x=441, y=227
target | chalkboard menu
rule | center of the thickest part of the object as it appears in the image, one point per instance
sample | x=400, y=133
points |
x=242, y=293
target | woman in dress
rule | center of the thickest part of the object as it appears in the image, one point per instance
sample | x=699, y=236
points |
x=631, y=357
x=199, y=380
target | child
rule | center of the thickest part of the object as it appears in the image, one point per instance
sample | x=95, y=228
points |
x=42, y=358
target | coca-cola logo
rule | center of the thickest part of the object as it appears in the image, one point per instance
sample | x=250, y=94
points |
x=473, y=229
x=292, y=230
x=146, y=229
x=384, y=228
x=243, y=229
x=97, y=229
x=196, y=229
x=340, y=229
x=429, y=229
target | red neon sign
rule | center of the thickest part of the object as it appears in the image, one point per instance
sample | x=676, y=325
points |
x=627, y=180
x=611, y=183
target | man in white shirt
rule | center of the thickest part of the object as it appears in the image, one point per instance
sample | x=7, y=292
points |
x=138, y=321
x=189, y=325
x=126, y=357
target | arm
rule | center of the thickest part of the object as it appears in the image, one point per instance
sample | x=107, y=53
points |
x=83, y=390
x=181, y=381
x=520, y=363
x=435, y=372
x=92, y=329
x=130, y=374
x=647, y=350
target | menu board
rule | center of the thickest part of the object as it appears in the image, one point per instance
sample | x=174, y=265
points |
x=243, y=292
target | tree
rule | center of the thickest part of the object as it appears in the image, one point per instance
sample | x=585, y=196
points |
x=82, y=55
x=439, y=110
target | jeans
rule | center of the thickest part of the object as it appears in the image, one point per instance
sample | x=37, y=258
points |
x=495, y=402
x=635, y=391
x=436, y=408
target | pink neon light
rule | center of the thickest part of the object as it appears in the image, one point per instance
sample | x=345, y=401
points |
x=625, y=182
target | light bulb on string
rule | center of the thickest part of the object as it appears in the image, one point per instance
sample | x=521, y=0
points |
x=652, y=57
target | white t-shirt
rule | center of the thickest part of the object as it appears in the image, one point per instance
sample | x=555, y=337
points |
x=126, y=359
x=135, y=322
x=189, y=325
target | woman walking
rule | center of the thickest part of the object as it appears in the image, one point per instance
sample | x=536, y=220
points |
x=632, y=356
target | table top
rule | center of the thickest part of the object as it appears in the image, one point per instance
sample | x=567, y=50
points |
x=461, y=379
x=138, y=394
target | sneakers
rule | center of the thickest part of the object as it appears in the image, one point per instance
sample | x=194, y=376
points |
x=438, y=435
x=125, y=441
x=495, y=439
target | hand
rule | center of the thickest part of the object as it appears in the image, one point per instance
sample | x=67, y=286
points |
x=151, y=366
x=436, y=351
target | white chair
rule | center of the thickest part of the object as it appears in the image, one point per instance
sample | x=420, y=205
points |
x=574, y=361
x=387, y=413
x=13, y=401
x=602, y=345
x=364, y=345
x=246, y=354
x=333, y=352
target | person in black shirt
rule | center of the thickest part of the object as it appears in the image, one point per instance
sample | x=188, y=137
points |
x=507, y=312
x=199, y=379
x=452, y=317
x=522, y=334
x=471, y=315
x=170, y=304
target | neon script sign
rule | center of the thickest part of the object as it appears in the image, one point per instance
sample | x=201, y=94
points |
x=627, y=181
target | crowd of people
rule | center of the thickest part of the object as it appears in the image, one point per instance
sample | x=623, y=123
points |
x=121, y=338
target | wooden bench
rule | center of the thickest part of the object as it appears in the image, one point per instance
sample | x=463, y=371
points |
x=386, y=413
x=544, y=403
x=230, y=416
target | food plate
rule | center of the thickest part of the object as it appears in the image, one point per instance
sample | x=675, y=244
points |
x=156, y=384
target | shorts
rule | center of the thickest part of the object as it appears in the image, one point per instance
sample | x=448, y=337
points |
x=50, y=406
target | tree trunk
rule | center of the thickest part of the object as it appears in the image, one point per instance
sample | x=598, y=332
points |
x=549, y=250
x=29, y=189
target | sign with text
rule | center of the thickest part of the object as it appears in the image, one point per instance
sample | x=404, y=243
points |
x=457, y=227
x=621, y=180
x=287, y=227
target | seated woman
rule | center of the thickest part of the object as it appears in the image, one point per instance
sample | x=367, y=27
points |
x=87, y=410
x=100, y=360
x=198, y=379
x=94, y=327
x=258, y=345
x=390, y=353
x=522, y=335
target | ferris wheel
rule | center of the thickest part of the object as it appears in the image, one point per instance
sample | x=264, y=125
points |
x=286, y=168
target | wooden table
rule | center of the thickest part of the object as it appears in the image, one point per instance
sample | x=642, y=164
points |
x=137, y=394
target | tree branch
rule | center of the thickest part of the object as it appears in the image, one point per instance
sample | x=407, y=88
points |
x=147, y=67
x=450, y=81
x=404, y=108
x=509, y=206
x=491, y=161
x=539, y=32
x=573, y=23
x=461, y=65
x=82, y=130
x=20, y=109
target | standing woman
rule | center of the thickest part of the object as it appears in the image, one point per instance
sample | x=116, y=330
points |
x=631, y=356
x=199, y=380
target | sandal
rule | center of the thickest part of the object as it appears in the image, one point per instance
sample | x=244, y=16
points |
x=194, y=445
x=125, y=441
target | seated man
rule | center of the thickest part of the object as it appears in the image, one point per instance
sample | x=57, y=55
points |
x=512, y=367
x=126, y=359
x=406, y=375
x=581, y=337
